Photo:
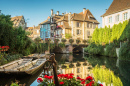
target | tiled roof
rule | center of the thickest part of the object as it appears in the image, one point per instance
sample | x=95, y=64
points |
x=117, y=6
x=66, y=25
x=45, y=22
x=16, y=20
x=87, y=16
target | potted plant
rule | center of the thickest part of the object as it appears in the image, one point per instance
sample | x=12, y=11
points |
x=63, y=40
x=78, y=41
x=71, y=41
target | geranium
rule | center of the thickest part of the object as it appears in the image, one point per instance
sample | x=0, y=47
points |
x=78, y=78
x=68, y=80
x=89, y=78
x=61, y=83
x=100, y=84
x=83, y=82
x=39, y=80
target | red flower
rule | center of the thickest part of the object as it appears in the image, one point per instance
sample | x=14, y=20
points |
x=69, y=77
x=46, y=76
x=61, y=83
x=39, y=80
x=49, y=77
x=100, y=84
x=82, y=79
x=66, y=75
x=71, y=74
x=89, y=78
x=3, y=47
x=79, y=78
x=83, y=82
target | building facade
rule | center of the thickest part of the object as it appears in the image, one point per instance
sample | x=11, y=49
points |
x=118, y=11
x=19, y=21
x=78, y=25
x=45, y=29
x=34, y=31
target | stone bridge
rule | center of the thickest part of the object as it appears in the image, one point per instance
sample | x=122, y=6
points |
x=70, y=49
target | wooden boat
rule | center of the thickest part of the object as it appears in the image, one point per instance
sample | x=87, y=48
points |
x=23, y=66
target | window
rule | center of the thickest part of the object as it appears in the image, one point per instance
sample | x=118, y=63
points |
x=78, y=24
x=88, y=33
x=117, y=18
x=78, y=31
x=46, y=34
x=94, y=26
x=87, y=25
x=61, y=23
x=78, y=70
x=125, y=16
x=90, y=25
x=110, y=19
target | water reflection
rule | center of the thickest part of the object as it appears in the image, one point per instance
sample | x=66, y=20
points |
x=80, y=65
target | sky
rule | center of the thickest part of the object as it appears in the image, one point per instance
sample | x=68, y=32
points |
x=36, y=11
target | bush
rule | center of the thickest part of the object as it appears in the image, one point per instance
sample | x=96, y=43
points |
x=63, y=40
x=111, y=50
x=78, y=41
x=71, y=41
x=68, y=36
x=124, y=52
x=94, y=49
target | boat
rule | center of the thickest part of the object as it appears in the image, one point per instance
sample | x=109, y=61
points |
x=22, y=66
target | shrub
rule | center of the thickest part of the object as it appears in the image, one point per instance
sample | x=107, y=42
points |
x=94, y=49
x=71, y=41
x=111, y=50
x=78, y=41
x=68, y=36
x=124, y=52
x=63, y=40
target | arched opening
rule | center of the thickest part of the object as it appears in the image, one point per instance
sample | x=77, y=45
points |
x=78, y=49
x=57, y=50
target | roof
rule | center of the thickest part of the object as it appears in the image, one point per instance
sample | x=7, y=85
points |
x=37, y=27
x=66, y=25
x=45, y=22
x=16, y=20
x=87, y=16
x=117, y=6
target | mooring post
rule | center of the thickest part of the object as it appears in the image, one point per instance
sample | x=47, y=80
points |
x=52, y=58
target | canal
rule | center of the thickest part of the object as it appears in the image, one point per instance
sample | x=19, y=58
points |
x=120, y=68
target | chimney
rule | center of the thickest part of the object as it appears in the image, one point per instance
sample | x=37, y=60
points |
x=62, y=13
x=51, y=12
x=57, y=12
x=84, y=10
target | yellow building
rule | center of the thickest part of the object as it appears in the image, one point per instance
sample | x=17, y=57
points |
x=19, y=21
x=34, y=31
x=82, y=71
x=79, y=25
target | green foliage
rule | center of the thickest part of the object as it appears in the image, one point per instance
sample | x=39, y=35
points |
x=63, y=40
x=105, y=75
x=61, y=45
x=68, y=36
x=84, y=41
x=14, y=84
x=94, y=49
x=120, y=32
x=111, y=50
x=71, y=41
x=124, y=52
x=78, y=41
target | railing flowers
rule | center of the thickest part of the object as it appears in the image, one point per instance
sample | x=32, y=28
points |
x=71, y=41
x=4, y=48
x=67, y=80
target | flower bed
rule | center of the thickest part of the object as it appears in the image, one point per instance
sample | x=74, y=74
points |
x=67, y=80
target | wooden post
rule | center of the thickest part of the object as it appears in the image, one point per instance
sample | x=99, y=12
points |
x=52, y=58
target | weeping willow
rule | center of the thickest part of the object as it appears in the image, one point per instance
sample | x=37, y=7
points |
x=103, y=74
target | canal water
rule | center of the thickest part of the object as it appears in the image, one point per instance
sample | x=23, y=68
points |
x=120, y=68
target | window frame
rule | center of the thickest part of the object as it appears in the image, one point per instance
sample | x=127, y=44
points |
x=125, y=17
x=78, y=24
x=117, y=18
x=110, y=19
x=78, y=31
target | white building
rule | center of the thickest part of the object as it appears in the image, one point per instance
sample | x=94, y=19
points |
x=118, y=11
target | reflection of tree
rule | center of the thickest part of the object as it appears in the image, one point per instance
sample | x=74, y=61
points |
x=124, y=67
x=106, y=75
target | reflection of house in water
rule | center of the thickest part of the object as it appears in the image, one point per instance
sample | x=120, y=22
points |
x=81, y=71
